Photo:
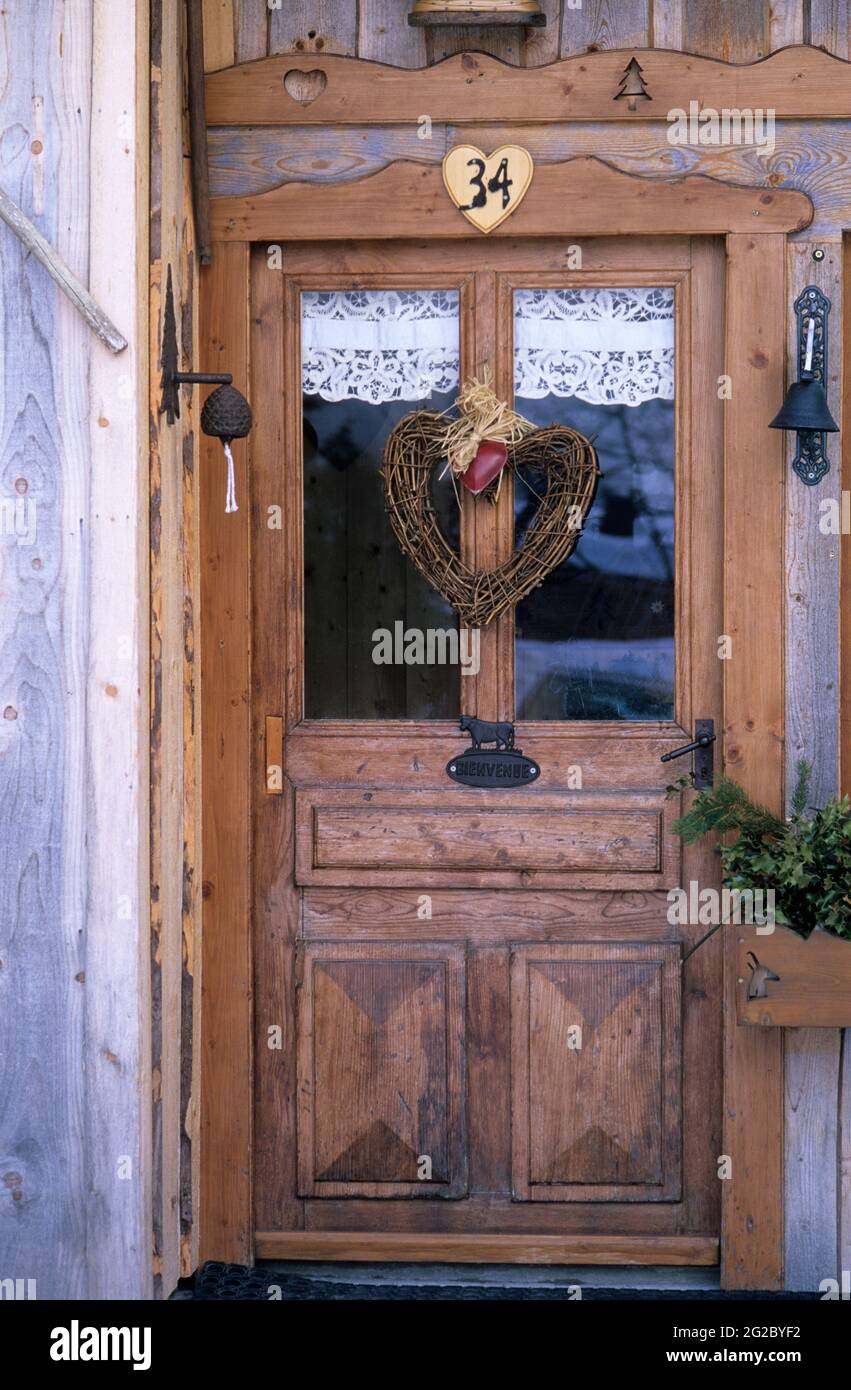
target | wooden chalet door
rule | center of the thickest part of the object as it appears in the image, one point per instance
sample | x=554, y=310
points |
x=479, y=1029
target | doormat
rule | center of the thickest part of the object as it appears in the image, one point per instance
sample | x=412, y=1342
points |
x=217, y=1282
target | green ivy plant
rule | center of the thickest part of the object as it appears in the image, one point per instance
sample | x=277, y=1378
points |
x=806, y=859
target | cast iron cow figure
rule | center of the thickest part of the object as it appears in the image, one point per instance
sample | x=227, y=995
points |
x=482, y=731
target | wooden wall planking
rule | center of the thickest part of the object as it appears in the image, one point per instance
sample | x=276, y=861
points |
x=666, y=30
x=73, y=766
x=740, y=30
x=502, y=42
x=219, y=36
x=314, y=26
x=812, y=1155
x=605, y=24
x=812, y=1056
x=74, y=1011
x=830, y=26
x=175, y=912
x=785, y=23
x=384, y=37
x=543, y=45
x=250, y=31
x=42, y=677
x=812, y=558
x=727, y=29
x=117, y=1014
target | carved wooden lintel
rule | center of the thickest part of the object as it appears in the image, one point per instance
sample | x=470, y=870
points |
x=580, y=197
x=473, y=87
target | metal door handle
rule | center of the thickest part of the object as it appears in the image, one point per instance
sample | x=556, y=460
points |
x=701, y=745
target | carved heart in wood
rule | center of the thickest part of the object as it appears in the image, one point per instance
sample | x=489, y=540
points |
x=305, y=87
x=562, y=462
x=487, y=188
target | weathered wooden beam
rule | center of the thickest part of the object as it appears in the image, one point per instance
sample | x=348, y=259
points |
x=469, y=87
x=65, y=278
x=422, y=1247
x=175, y=716
x=812, y=157
x=198, y=131
x=598, y=198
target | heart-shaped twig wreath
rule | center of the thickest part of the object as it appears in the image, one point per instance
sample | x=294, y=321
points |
x=568, y=463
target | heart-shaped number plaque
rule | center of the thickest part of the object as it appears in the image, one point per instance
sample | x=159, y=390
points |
x=487, y=188
x=563, y=460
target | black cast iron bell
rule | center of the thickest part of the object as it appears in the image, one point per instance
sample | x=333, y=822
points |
x=805, y=408
x=226, y=414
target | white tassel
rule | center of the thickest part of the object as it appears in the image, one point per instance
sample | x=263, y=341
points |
x=230, y=500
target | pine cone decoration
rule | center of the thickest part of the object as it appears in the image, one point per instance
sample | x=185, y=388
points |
x=226, y=414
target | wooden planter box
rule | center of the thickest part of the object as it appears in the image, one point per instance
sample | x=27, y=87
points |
x=814, y=985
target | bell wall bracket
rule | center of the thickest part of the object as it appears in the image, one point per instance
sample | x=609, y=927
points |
x=811, y=462
x=171, y=378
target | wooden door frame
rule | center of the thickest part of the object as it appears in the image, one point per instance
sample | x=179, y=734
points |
x=398, y=203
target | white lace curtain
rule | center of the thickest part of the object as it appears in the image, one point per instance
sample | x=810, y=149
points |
x=607, y=346
x=379, y=345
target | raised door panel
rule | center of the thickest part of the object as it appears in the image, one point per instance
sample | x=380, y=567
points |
x=596, y=1043
x=346, y=837
x=381, y=1071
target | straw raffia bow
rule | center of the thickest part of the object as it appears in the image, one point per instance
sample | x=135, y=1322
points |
x=481, y=415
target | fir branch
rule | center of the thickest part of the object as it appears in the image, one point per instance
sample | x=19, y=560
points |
x=800, y=795
x=725, y=807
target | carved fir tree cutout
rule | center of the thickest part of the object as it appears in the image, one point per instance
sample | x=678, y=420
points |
x=632, y=84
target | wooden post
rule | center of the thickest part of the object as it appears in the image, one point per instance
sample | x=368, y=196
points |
x=226, y=1128
x=813, y=1060
x=752, y=1198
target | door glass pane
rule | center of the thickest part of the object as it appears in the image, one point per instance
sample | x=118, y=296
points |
x=596, y=640
x=370, y=357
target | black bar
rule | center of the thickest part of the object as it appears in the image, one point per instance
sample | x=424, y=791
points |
x=203, y=378
x=198, y=131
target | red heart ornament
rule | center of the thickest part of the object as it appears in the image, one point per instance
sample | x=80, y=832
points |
x=491, y=458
